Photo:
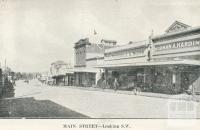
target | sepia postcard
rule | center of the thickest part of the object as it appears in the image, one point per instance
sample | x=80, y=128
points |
x=99, y=64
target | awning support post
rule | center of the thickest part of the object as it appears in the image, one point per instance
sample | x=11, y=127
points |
x=106, y=75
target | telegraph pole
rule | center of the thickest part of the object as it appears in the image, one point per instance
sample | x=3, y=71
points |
x=4, y=74
x=5, y=64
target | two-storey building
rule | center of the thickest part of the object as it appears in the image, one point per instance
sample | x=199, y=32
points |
x=87, y=56
x=178, y=53
x=167, y=63
x=125, y=63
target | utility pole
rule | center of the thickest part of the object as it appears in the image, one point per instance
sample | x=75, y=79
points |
x=5, y=66
x=4, y=74
x=193, y=92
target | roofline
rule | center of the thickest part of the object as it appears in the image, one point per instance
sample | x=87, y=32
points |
x=175, y=23
x=85, y=41
x=110, y=41
x=123, y=47
x=94, y=58
x=190, y=29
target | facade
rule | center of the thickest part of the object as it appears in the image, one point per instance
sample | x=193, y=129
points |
x=87, y=56
x=124, y=63
x=167, y=63
x=180, y=47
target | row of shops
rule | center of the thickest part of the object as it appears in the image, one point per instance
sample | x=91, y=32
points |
x=167, y=63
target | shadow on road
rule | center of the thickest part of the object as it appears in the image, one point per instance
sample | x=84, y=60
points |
x=31, y=108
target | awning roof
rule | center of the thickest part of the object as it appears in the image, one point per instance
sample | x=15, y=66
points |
x=153, y=63
x=69, y=72
x=63, y=74
x=127, y=46
x=89, y=70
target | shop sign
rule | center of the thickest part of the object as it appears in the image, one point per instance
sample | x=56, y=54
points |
x=176, y=45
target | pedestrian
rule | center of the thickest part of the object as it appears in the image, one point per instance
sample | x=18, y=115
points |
x=135, y=90
x=116, y=84
x=131, y=85
x=104, y=84
x=190, y=90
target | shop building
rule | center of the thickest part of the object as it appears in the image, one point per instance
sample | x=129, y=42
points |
x=167, y=63
x=178, y=49
x=87, y=56
x=125, y=63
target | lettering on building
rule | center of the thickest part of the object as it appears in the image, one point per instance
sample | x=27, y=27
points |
x=176, y=45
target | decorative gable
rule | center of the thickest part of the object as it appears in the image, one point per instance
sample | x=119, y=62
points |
x=177, y=26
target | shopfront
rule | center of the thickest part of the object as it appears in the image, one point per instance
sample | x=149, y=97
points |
x=128, y=77
x=170, y=77
x=85, y=77
x=66, y=79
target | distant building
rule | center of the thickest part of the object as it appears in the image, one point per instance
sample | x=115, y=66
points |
x=62, y=73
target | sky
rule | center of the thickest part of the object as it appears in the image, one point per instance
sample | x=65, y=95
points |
x=35, y=33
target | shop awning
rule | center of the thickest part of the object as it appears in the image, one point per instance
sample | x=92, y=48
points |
x=153, y=63
x=69, y=72
x=88, y=70
x=63, y=74
x=58, y=76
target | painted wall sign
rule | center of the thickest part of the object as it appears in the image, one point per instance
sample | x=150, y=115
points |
x=175, y=45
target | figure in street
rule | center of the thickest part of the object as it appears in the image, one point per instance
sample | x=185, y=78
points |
x=116, y=84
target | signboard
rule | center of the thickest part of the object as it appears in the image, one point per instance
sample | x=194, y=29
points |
x=176, y=45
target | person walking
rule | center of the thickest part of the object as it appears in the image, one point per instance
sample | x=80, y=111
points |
x=104, y=85
x=116, y=84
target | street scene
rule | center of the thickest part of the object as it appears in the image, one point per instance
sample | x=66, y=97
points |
x=99, y=60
